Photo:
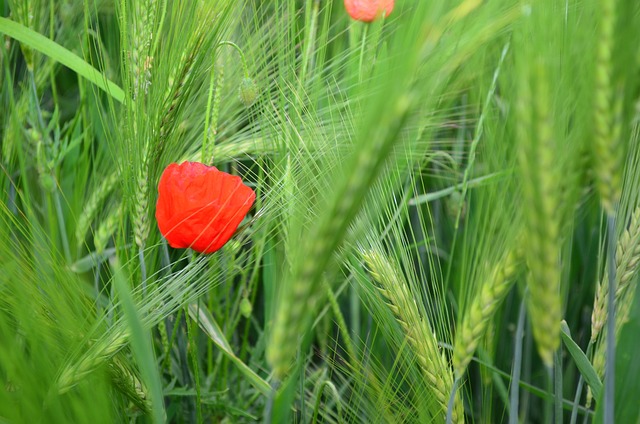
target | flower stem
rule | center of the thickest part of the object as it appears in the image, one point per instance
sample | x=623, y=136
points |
x=239, y=50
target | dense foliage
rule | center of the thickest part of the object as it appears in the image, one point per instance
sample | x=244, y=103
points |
x=446, y=223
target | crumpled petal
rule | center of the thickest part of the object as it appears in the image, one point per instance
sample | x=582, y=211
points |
x=200, y=207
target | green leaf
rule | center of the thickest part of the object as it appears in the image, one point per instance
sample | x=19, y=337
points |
x=141, y=345
x=92, y=260
x=581, y=360
x=60, y=54
x=211, y=328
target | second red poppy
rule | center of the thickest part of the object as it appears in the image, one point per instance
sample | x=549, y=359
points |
x=368, y=10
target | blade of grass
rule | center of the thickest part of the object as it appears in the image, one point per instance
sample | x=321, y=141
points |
x=581, y=360
x=60, y=54
x=207, y=323
x=141, y=346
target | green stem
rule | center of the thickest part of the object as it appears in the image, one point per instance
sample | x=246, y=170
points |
x=63, y=229
x=193, y=353
x=143, y=271
x=239, y=50
x=610, y=367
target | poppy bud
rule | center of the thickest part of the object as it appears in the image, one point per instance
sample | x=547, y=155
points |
x=248, y=92
x=199, y=206
x=368, y=10
x=245, y=307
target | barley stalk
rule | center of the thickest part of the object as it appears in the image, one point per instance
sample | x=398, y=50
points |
x=541, y=195
x=126, y=380
x=166, y=347
x=212, y=126
x=141, y=219
x=92, y=205
x=97, y=355
x=493, y=291
x=627, y=260
x=107, y=228
x=174, y=98
x=623, y=309
x=418, y=331
x=142, y=37
x=607, y=150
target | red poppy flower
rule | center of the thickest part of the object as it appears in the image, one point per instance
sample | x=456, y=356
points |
x=200, y=207
x=368, y=10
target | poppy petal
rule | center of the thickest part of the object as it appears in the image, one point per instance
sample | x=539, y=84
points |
x=368, y=10
x=200, y=207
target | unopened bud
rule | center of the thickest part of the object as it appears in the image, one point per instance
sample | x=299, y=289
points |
x=248, y=92
x=245, y=307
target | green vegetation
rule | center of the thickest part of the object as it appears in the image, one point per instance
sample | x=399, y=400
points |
x=446, y=225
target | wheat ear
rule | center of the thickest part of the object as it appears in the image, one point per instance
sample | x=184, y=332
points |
x=607, y=149
x=126, y=380
x=93, y=203
x=142, y=37
x=493, y=290
x=107, y=228
x=627, y=259
x=417, y=329
x=541, y=192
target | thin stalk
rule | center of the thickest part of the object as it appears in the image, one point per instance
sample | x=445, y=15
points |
x=52, y=76
x=268, y=408
x=207, y=116
x=336, y=395
x=312, y=9
x=143, y=271
x=342, y=325
x=193, y=354
x=479, y=130
x=452, y=400
x=61, y=224
x=576, y=399
x=362, y=50
x=163, y=14
x=354, y=311
x=514, y=393
x=549, y=403
x=96, y=285
x=557, y=377
x=472, y=151
x=526, y=372
x=609, y=374
x=239, y=50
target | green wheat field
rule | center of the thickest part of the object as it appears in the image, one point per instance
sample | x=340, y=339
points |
x=446, y=226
